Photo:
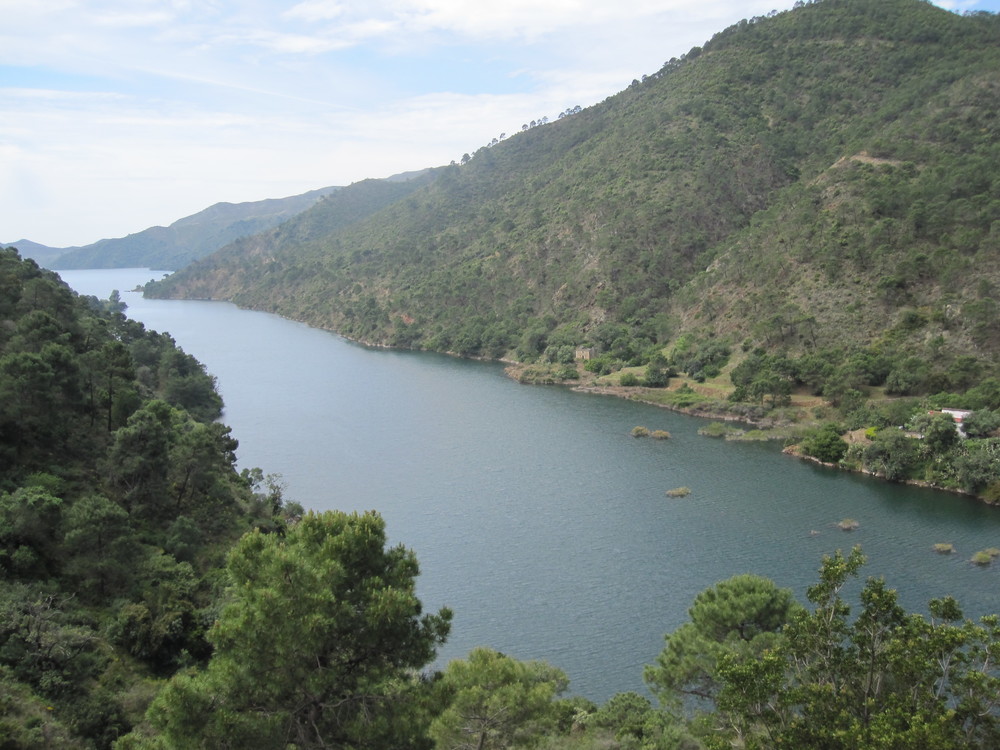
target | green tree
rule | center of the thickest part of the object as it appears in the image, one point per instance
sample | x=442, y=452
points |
x=28, y=540
x=635, y=723
x=825, y=444
x=978, y=464
x=938, y=430
x=201, y=471
x=26, y=421
x=494, y=702
x=162, y=625
x=119, y=399
x=658, y=372
x=891, y=454
x=982, y=423
x=99, y=546
x=139, y=461
x=881, y=680
x=185, y=383
x=740, y=616
x=316, y=648
x=44, y=643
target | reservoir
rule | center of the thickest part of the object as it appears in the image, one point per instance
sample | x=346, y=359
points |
x=534, y=513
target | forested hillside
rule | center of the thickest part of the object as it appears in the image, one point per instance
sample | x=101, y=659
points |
x=195, y=236
x=118, y=501
x=152, y=598
x=150, y=595
x=255, y=257
x=818, y=183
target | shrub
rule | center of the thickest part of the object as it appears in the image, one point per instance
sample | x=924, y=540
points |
x=717, y=429
x=982, y=558
x=848, y=524
x=640, y=431
x=825, y=444
x=982, y=423
x=601, y=365
x=660, y=435
x=628, y=379
x=657, y=376
x=944, y=548
x=992, y=493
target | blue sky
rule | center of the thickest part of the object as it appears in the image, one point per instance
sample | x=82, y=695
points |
x=119, y=115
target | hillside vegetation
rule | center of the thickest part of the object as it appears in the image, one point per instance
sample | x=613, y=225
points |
x=819, y=181
x=118, y=501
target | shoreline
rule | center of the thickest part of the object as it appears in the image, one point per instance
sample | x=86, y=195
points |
x=516, y=371
x=790, y=450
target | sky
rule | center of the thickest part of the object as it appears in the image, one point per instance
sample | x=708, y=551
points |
x=118, y=115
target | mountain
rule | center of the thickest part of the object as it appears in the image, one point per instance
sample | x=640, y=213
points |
x=819, y=185
x=186, y=239
x=255, y=256
x=43, y=255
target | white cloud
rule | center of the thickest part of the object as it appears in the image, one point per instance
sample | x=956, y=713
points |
x=316, y=10
x=128, y=19
x=512, y=18
x=297, y=43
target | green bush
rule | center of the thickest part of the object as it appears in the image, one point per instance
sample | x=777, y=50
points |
x=982, y=558
x=719, y=429
x=568, y=372
x=825, y=444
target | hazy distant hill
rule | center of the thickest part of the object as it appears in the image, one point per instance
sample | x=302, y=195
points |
x=43, y=255
x=254, y=256
x=824, y=180
x=186, y=239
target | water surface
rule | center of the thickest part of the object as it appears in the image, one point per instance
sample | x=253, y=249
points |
x=533, y=512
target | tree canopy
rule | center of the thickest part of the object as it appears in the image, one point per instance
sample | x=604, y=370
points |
x=317, y=645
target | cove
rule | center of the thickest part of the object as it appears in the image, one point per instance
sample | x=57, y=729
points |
x=533, y=512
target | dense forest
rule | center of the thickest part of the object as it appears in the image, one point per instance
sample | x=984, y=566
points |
x=802, y=212
x=153, y=598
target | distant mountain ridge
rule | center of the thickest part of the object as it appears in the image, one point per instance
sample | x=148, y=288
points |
x=43, y=255
x=258, y=255
x=187, y=239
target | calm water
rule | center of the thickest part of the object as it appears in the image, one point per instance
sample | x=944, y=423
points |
x=533, y=512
